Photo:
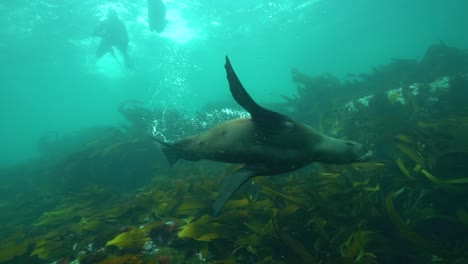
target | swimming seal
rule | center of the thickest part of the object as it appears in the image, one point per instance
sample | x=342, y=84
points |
x=268, y=143
x=157, y=15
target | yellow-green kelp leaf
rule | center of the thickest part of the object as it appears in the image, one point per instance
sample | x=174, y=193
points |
x=462, y=216
x=404, y=138
x=356, y=245
x=237, y=203
x=357, y=184
x=262, y=204
x=287, y=197
x=371, y=189
x=193, y=233
x=115, y=146
x=251, y=240
x=426, y=125
x=232, y=216
x=68, y=210
x=367, y=166
x=132, y=239
x=50, y=246
x=209, y=237
x=191, y=206
x=408, y=232
x=403, y=168
x=10, y=248
x=412, y=154
x=203, y=229
x=261, y=228
x=438, y=181
x=289, y=210
x=91, y=224
x=331, y=174
x=55, y=216
x=48, y=250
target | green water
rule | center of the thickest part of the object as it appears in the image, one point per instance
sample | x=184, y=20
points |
x=51, y=83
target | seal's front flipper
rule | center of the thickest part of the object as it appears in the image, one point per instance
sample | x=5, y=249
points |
x=106, y=47
x=238, y=91
x=103, y=48
x=231, y=183
x=260, y=115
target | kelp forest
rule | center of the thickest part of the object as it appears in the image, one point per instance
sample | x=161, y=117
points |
x=107, y=195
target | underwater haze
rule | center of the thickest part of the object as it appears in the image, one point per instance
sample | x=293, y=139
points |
x=359, y=115
x=52, y=84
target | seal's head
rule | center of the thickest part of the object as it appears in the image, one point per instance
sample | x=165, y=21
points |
x=339, y=151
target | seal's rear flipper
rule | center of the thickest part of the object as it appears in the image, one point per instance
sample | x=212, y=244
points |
x=230, y=184
x=171, y=155
x=170, y=152
x=260, y=115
